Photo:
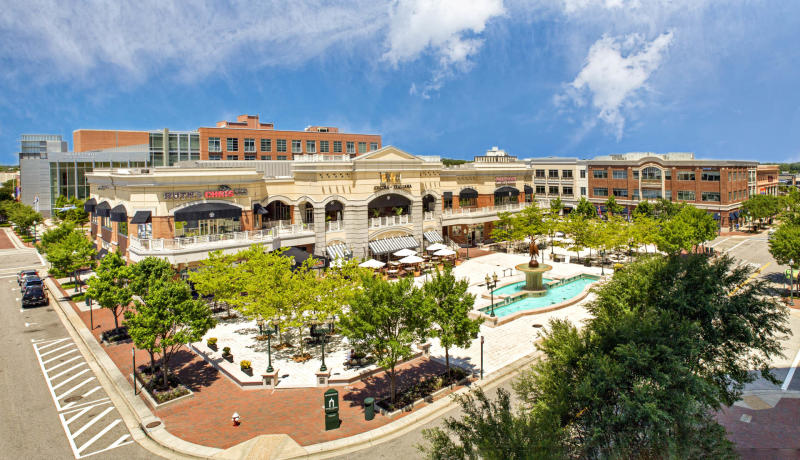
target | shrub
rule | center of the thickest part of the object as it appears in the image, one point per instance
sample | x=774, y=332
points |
x=245, y=364
x=226, y=351
x=212, y=342
x=618, y=267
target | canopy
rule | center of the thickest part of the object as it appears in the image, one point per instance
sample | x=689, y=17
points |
x=506, y=190
x=371, y=263
x=89, y=205
x=411, y=260
x=141, y=217
x=433, y=236
x=338, y=251
x=300, y=256
x=468, y=193
x=435, y=247
x=119, y=214
x=446, y=252
x=528, y=189
x=405, y=253
x=392, y=244
x=260, y=210
x=103, y=209
x=208, y=211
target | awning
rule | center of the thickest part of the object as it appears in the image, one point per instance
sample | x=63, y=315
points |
x=119, y=214
x=89, y=205
x=468, y=193
x=506, y=190
x=208, y=211
x=447, y=195
x=387, y=245
x=103, y=209
x=433, y=237
x=260, y=210
x=339, y=251
x=300, y=256
x=528, y=189
x=141, y=217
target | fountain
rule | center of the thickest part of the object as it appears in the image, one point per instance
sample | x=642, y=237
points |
x=533, y=272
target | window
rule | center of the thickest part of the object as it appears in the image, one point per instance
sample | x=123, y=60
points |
x=297, y=146
x=351, y=147
x=566, y=174
x=266, y=145
x=620, y=192
x=144, y=231
x=214, y=145
x=552, y=173
x=583, y=174
x=583, y=189
x=250, y=157
x=311, y=146
x=105, y=222
x=233, y=144
x=324, y=146
x=448, y=202
x=600, y=191
x=362, y=147
x=249, y=145
x=281, y=157
x=651, y=194
x=373, y=146
x=636, y=194
x=667, y=174
x=730, y=195
x=686, y=195
x=651, y=173
x=668, y=194
x=122, y=228
x=540, y=189
x=337, y=146
x=266, y=157
x=540, y=173
x=553, y=190
x=710, y=196
x=636, y=175
x=232, y=157
x=710, y=176
x=600, y=174
x=567, y=190
x=214, y=156
x=685, y=175
x=619, y=174
x=280, y=145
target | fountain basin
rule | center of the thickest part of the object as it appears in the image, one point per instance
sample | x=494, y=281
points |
x=533, y=276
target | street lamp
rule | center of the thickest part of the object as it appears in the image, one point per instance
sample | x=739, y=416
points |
x=481, y=357
x=260, y=322
x=491, y=283
x=269, y=332
x=791, y=281
x=91, y=317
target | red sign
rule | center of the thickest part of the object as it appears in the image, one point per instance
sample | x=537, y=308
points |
x=219, y=194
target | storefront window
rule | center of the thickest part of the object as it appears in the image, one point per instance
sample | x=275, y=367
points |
x=145, y=231
x=206, y=227
x=122, y=228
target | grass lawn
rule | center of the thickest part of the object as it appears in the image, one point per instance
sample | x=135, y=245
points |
x=78, y=297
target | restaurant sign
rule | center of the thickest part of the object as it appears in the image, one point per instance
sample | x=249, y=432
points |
x=224, y=191
x=505, y=180
x=391, y=180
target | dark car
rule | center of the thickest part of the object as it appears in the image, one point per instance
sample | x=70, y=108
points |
x=24, y=274
x=35, y=295
x=31, y=281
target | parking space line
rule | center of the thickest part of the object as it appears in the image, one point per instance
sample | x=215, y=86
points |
x=59, y=356
x=91, y=422
x=718, y=242
x=66, y=371
x=736, y=246
x=99, y=434
x=70, y=379
x=74, y=388
x=119, y=442
x=56, y=349
x=63, y=363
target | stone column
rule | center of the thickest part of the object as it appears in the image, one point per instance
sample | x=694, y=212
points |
x=320, y=242
x=298, y=215
x=417, y=219
x=356, y=228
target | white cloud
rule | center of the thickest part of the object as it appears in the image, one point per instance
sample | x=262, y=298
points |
x=614, y=75
x=447, y=29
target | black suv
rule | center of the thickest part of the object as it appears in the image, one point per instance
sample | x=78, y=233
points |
x=31, y=281
x=35, y=295
x=24, y=274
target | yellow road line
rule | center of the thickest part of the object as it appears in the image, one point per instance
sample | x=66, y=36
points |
x=750, y=278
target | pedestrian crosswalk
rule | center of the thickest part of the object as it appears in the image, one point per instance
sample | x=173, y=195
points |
x=90, y=421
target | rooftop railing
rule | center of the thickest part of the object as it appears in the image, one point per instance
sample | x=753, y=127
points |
x=199, y=241
x=485, y=210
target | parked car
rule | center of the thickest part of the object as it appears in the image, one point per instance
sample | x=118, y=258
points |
x=32, y=280
x=24, y=274
x=35, y=295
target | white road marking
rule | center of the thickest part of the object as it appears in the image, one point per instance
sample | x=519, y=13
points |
x=40, y=258
x=63, y=363
x=70, y=379
x=74, y=388
x=736, y=246
x=99, y=434
x=56, y=349
x=65, y=371
x=791, y=372
x=91, y=422
x=59, y=356
x=718, y=242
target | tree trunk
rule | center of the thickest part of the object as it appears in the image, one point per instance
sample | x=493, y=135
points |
x=116, y=322
x=165, y=369
x=152, y=364
x=393, y=388
x=447, y=361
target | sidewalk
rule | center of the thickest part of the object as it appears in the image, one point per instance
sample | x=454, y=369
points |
x=767, y=433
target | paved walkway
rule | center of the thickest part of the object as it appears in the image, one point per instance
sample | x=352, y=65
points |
x=767, y=432
x=5, y=241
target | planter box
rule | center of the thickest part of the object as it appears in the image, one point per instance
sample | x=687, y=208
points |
x=151, y=401
x=228, y=358
x=248, y=371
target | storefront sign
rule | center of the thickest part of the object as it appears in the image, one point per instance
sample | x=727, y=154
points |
x=505, y=180
x=223, y=192
x=391, y=180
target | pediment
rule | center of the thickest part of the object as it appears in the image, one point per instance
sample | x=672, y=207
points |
x=388, y=153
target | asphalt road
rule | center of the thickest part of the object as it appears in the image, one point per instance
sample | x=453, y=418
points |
x=52, y=405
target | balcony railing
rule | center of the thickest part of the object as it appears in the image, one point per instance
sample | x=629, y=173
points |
x=188, y=242
x=388, y=221
x=486, y=210
x=334, y=226
x=428, y=215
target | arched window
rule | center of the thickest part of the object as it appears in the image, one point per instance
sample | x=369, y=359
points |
x=651, y=173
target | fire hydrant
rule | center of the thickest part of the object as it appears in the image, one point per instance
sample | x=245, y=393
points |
x=236, y=419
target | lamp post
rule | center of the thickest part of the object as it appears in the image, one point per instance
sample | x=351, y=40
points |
x=260, y=322
x=269, y=332
x=481, y=357
x=491, y=283
x=91, y=318
x=133, y=358
x=791, y=281
x=324, y=336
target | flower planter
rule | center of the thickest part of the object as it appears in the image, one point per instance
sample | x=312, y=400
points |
x=417, y=273
x=458, y=262
x=213, y=347
x=228, y=358
x=248, y=371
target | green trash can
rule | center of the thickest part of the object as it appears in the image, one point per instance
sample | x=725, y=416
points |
x=369, y=408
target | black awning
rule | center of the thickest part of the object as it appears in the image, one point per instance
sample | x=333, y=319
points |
x=89, y=205
x=260, y=210
x=208, y=211
x=528, y=189
x=447, y=195
x=468, y=193
x=103, y=209
x=141, y=217
x=506, y=190
x=119, y=214
x=300, y=256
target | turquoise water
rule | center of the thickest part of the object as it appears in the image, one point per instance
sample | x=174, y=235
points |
x=553, y=296
x=515, y=287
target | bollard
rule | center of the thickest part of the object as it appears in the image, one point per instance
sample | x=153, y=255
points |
x=369, y=408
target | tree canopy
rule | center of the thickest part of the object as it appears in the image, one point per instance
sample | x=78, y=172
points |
x=784, y=245
x=685, y=230
x=109, y=287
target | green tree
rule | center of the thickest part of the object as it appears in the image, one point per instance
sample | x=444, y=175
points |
x=71, y=254
x=644, y=209
x=23, y=216
x=217, y=276
x=75, y=215
x=54, y=235
x=585, y=209
x=784, y=245
x=612, y=207
x=556, y=205
x=685, y=230
x=109, y=287
x=503, y=229
x=147, y=273
x=665, y=209
x=266, y=279
x=762, y=206
x=579, y=229
x=167, y=319
x=386, y=319
x=450, y=304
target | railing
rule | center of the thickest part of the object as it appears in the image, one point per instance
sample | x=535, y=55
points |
x=334, y=226
x=277, y=223
x=484, y=210
x=168, y=244
x=388, y=221
x=428, y=215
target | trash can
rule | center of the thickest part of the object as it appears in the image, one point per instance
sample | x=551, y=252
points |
x=369, y=408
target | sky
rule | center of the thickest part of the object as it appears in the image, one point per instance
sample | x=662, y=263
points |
x=575, y=78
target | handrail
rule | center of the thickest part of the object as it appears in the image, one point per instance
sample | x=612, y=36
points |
x=167, y=244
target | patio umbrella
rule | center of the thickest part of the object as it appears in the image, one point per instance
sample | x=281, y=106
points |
x=436, y=247
x=444, y=252
x=411, y=260
x=371, y=263
x=405, y=253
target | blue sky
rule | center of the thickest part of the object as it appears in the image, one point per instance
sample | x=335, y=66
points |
x=449, y=77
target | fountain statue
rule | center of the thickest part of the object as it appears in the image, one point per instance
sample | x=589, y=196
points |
x=534, y=253
x=533, y=271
